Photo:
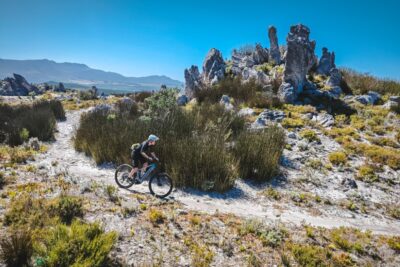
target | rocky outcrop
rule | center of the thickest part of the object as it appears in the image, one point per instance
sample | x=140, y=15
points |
x=243, y=61
x=393, y=103
x=300, y=58
x=192, y=81
x=333, y=83
x=335, y=78
x=17, y=86
x=274, y=50
x=268, y=116
x=59, y=88
x=326, y=62
x=213, y=71
x=213, y=67
x=260, y=55
x=369, y=99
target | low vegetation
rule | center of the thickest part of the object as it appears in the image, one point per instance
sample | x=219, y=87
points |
x=250, y=93
x=56, y=236
x=337, y=158
x=259, y=153
x=193, y=146
x=361, y=83
x=21, y=122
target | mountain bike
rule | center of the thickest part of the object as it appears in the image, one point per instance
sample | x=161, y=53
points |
x=160, y=184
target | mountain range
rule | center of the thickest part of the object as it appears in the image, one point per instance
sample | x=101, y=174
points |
x=75, y=75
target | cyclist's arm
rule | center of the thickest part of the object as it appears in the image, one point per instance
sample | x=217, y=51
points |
x=144, y=154
x=154, y=156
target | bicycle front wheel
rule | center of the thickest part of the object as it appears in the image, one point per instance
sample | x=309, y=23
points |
x=122, y=176
x=160, y=185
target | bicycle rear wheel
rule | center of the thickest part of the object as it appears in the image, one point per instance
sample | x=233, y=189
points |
x=160, y=185
x=122, y=176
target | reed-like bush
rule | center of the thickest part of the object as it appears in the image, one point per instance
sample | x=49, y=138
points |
x=16, y=249
x=20, y=122
x=361, y=83
x=195, y=144
x=192, y=146
x=259, y=152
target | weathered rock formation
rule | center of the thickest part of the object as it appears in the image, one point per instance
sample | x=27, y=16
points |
x=192, y=81
x=16, y=86
x=274, y=50
x=213, y=71
x=213, y=67
x=260, y=55
x=326, y=62
x=300, y=58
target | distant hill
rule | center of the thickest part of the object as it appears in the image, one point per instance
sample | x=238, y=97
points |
x=80, y=75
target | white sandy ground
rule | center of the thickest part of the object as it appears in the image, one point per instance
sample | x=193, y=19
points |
x=243, y=200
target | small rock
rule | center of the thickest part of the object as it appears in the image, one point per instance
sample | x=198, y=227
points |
x=34, y=144
x=182, y=100
x=369, y=99
x=349, y=183
x=324, y=119
x=292, y=135
x=246, y=112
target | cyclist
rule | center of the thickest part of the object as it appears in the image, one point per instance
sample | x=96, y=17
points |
x=140, y=156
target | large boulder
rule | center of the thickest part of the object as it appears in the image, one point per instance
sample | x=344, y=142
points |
x=268, y=116
x=335, y=78
x=393, y=103
x=17, y=86
x=274, y=50
x=326, y=62
x=287, y=93
x=300, y=58
x=369, y=99
x=213, y=67
x=182, y=100
x=192, y=81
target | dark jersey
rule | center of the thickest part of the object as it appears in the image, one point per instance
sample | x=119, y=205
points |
x=144, y=147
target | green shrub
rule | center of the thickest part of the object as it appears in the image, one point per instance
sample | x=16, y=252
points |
x=367, y=173
x=23, y=121
x=337, y=158
x=27, y=211
x=310, y=135
x=309, y=255
x=80, y=244
x=160, y=103
x=2, y=179
x=67, y=208
x=192, y=143
x=17, y=249
x=111, y=192
x=258, y=153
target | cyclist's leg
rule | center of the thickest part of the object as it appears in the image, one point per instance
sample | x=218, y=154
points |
x=135, y=165
x=144, y=167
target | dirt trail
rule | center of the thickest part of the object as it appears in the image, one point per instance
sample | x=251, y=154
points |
x=241, y=201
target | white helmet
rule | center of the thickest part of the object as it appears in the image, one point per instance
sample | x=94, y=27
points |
x=152, y=137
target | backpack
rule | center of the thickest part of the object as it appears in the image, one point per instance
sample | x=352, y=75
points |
x=134, y=147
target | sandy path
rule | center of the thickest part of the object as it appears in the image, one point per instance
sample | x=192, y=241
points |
x=241, y=201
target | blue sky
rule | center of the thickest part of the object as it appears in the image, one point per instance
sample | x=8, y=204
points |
x=138, y=38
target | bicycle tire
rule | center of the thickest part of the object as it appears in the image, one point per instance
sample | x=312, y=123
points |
x=119, y=169
x=153, y=179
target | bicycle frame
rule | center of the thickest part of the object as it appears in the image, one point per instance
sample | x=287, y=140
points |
x=147, y=173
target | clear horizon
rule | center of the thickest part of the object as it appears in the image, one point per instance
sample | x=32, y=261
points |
x=134, y=38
